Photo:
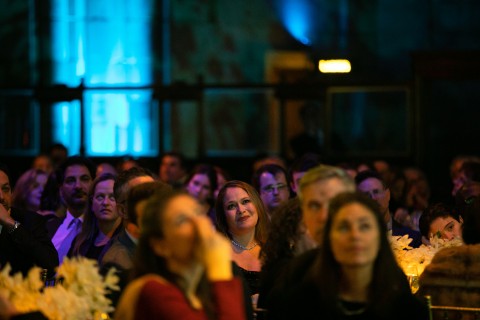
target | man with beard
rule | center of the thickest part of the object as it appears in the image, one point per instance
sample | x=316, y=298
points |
x=24, y=242
x=74, y=178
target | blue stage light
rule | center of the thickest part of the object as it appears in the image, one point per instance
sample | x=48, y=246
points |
x=297, y=18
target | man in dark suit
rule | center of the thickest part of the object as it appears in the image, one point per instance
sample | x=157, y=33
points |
x=74, y=177
x=24, y=242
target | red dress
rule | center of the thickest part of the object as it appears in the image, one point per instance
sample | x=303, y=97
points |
x=157, y=300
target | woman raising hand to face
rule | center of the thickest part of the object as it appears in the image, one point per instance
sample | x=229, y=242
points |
x=183, y=262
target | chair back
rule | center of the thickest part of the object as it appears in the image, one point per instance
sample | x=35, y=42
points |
x=437, y=312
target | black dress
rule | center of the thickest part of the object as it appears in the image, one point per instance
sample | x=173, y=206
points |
x=252, y=278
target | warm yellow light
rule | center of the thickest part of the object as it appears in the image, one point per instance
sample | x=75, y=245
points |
x=334, y=66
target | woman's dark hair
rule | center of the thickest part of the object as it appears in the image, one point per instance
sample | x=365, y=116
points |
x=283, y=232
x=90, y=223
x=435, y=211
x=210, y=172
x=147, y=262
x=388, y=280
x=280, y=247
x=262, y=223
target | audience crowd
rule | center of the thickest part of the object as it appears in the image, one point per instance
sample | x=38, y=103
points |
x=299, y=240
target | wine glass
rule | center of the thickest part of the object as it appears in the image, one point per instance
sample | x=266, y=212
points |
x=411, y=272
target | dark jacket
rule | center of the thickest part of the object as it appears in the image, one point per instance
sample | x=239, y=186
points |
x=87, y=249
x=400, y=230
x=29, y=245
x=52, y=224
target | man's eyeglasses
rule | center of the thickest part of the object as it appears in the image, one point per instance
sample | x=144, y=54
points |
x=374, y=193
x=272, y=187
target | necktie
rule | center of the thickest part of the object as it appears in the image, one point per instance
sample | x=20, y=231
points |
x=73, y=229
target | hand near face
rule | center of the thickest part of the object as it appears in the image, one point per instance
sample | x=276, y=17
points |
x=214, y=250
x=5, y=218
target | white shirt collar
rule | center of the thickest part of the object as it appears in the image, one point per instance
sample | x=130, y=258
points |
x=135, y=240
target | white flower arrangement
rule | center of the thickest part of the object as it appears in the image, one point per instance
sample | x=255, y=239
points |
x=81, y=294
x=418, y=257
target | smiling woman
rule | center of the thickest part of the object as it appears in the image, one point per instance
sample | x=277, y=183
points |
x=242, y=217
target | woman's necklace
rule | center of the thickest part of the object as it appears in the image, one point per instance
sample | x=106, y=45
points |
x=235, y=243
x=348, y=311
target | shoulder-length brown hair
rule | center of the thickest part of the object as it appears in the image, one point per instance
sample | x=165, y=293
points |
x=23, y=188
x=90, y=227
x=263, y=220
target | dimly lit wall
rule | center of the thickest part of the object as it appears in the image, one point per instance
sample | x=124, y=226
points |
x=227, y=41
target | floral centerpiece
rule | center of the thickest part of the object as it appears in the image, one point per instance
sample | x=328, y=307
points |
x=79, y=293
x=408, y=257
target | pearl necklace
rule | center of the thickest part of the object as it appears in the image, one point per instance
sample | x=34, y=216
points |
x=235, y=243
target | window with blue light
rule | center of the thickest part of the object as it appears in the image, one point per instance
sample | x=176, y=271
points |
x=105, y=43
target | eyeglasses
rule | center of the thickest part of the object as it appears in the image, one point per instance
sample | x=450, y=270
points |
x=272, y=187
x=374, y=193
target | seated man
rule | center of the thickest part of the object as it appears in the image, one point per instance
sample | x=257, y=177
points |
x=24, y=242
x=121, y=252
x=271, y=182
x=370, y=182
x=123, y=246
x=441, y=221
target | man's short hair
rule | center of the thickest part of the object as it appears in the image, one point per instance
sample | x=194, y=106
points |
x=143, y=192
x=325, y=172
x=181, y=158
x=271, y=168
x=72, y=161
x=304, y=163
x=369, y=174
x=124, y=177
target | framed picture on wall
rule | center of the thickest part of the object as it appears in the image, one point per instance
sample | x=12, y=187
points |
x=367, y=121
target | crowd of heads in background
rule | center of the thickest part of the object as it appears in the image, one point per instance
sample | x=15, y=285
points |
x=403, y=192
x=280, y=210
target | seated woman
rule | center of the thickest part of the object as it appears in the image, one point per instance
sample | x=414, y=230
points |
x=100, y=223
x=183, y=268
x=355, y=274
x=201, y=184
x=241, y=216
x=28, y=190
